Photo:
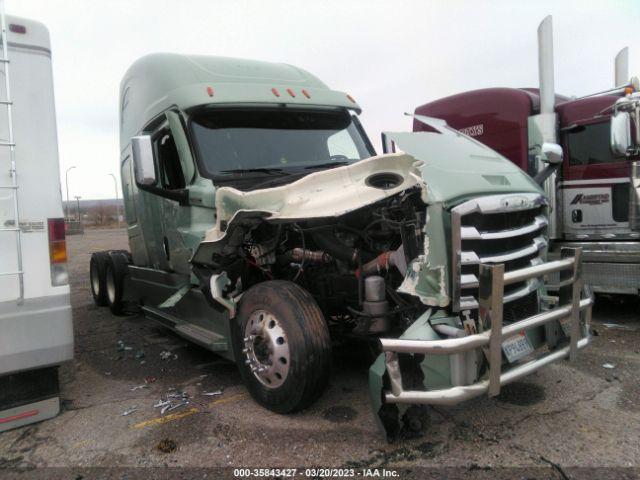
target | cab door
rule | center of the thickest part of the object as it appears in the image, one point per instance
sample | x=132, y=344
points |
x=175, y=172
x=595, y=185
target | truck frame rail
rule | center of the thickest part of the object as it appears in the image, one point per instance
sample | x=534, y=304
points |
x=573, y=300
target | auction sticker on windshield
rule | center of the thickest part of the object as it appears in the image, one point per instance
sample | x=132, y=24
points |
x=517, y=347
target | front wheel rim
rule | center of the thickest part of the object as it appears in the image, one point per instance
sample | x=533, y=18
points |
x=267, y=349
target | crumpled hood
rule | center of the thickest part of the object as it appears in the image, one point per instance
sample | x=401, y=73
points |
x=456, y=166
x=328, y=193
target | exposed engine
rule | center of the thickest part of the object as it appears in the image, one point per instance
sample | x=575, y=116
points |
x=352, y=265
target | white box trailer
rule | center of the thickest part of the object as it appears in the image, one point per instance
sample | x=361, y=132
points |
x=36, y=331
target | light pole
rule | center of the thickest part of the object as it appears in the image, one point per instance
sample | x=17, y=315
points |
x=66, y=176
x=78, y=204
x=115, y=184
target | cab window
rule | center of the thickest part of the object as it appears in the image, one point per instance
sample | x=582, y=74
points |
x=589, y=145
x=168, y=161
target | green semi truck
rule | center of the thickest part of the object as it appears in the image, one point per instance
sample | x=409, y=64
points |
x=262, y=224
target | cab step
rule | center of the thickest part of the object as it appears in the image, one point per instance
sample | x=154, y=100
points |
x=211, y=340
x=199, y=335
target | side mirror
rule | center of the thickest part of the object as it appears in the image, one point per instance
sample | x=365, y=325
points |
x=620, y=133
x=551, y=153
x=143, y=166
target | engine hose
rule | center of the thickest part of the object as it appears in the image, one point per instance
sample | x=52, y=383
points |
x=329, y=243
x=299, y=255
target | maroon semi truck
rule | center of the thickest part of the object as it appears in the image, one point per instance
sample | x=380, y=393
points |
x=584, y=151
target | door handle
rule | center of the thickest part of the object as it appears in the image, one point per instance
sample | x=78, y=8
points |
x=165, y=244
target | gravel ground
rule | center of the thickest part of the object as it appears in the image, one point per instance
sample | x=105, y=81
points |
x=560, y=418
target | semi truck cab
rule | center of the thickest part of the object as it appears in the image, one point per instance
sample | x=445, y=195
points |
x=263, y=225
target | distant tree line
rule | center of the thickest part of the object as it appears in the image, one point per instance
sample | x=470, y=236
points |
x=96, y=213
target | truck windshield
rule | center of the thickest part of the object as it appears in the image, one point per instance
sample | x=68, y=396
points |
x=272, y=141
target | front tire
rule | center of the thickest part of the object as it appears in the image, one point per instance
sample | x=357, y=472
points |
x=282, y=346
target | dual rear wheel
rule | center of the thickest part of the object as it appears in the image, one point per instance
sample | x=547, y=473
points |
x=107, y=271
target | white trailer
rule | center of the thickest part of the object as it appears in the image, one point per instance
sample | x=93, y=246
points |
x=36, y=331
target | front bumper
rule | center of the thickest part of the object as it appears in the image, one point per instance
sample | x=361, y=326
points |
x=574, y=305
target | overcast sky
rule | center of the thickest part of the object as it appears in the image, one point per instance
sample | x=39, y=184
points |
x=390, y=55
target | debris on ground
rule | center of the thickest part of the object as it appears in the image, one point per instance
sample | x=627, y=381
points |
x=172, y=401
x=139, y=354
x=121, y=347
x=619, y=326
x=166, y=355
x=166, y=445
x=150, y=379
x=608, y=365
x=139, y=387
x=213, y=394
x=108, y=374
x=129, y=411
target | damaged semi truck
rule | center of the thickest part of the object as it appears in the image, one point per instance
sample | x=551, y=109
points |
x=262, y=224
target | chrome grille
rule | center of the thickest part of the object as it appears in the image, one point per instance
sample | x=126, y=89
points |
x=508, y=229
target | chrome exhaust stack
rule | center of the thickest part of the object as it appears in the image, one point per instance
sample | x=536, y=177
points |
x=545, y=70
x=543, y=144
x=622, y=68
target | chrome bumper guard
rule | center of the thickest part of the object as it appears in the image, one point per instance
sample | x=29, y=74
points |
x=491, y=291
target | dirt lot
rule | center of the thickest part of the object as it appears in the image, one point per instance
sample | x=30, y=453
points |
x=564, y=416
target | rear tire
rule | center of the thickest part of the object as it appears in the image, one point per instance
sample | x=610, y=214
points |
x=116, y=270
x=97, y=271
x=286, y=364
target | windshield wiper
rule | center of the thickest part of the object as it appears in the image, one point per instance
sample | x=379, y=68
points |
x=268, y=171
x=326, y=165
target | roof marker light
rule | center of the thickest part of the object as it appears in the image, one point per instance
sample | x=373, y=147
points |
x=291, y=92
x=351, y=98
x=305, y=93
x=275, y=92
x=15, y=28
x=210, y=91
